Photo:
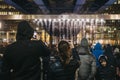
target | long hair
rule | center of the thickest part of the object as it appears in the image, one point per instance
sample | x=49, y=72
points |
x=64, y=52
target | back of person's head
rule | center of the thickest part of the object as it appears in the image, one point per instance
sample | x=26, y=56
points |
x=64, y=51
x=82, y=50
x=108, y=50
x=84, y=42
x=63, y=46
x=98, y=46
x=83, y=47
x=24, y=31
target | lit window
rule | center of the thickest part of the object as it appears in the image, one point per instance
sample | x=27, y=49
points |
x=9, y=13
x=113, y=21
x=118, y=1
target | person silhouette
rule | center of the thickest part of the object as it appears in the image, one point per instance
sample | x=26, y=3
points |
x=21, y=58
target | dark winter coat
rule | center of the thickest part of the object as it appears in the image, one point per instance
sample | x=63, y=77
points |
x=106, y=73
x=59, y=72
x=117, y=59
x=109, y=53
x=87, y=68
x=1, y=62
x=22, y=58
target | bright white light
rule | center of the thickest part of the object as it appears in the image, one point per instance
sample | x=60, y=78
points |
x=82, y=19
x=4, y=40
x=87, y=20
x=35, y=20
x=35, y=33
x=101, y=41
x=9, y=13
x=49, y=20
x=54, y=19
x=63, y=19
x=102, y=20
x=59, y=19
x=115, y=29
x=68, y=19
x=13, y=31
x=78, y=19
x=45, y=19
x=40, y=19
x=37, y=28
x=97, y=20
x=73, y=19
x=109, y=31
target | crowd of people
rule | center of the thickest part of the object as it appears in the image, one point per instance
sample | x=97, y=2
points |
x=28, y=59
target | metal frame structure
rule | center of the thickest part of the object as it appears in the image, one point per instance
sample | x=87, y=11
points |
x=64, y=16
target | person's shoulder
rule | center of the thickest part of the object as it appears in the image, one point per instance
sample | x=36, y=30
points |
x=11, y=45
x=37, y=42
x=92, y=56
x=74, y=61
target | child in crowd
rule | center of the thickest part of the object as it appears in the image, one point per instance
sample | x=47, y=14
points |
x=105, y=70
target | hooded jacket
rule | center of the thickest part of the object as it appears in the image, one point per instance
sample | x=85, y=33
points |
x=109, y=53
x=97, y=51
x=87, y=68
x=107, y=72
x=21, y=58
